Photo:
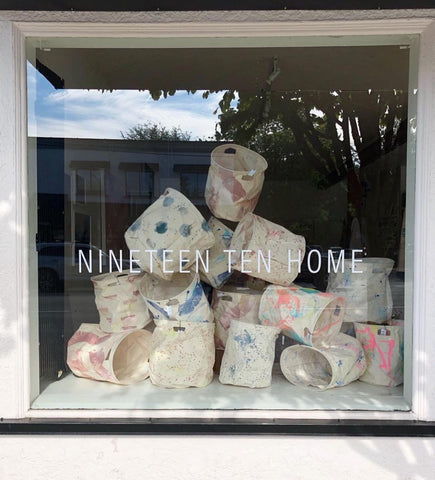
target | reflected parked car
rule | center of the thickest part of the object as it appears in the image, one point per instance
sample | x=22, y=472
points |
x=59, y=266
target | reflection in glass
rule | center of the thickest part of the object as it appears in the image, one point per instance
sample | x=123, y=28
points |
x=331, y=123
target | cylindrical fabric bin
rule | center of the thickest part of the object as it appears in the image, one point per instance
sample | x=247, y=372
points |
x=112, y=357
x=119, y=303
x=218, y=268
x=181, y=298
x=334, y=365
x=367, y=294
x=383, y=348
x=233, y=303
x=234, y=182
x=304, y=314
x=183, y=354
x=268, y=248
x=249, y=355
x=168, y=235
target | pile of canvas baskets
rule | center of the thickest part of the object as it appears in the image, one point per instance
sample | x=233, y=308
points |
x=159, y=322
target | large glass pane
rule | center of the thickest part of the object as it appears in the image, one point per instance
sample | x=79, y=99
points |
x=111, y=129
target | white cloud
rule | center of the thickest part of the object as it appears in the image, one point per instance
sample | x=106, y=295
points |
x=96, y=114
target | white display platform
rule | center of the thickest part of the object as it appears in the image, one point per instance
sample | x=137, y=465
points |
x=78, y=393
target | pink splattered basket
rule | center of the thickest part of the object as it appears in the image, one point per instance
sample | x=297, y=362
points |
x=337, y=364
x=234, y=181
x=262, y=239
x=119, y=303
x=383, y=348
x=304, y=314
x=111, y=357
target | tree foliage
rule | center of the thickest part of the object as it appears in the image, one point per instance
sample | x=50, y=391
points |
x=155, y=131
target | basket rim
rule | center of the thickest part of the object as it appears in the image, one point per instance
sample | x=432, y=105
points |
x=240, y=147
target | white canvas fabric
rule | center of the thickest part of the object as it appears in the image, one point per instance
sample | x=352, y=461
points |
x=181, y=298
x=249, y=355
x=234, y=182
x=218, y=271
x=183, y=354
x=168, y=226
x=304, y=314
x=230, y=303
x=112, y=357
x=367, y=294
x=257, y=234
x=383, y=348
x=337, y=364
x=119, y=303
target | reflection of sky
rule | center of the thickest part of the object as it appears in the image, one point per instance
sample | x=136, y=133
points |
x=97, y=114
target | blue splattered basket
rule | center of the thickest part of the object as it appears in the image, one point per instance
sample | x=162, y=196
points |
x=216, y=271
x=165, y=239
x=181, y=298
x=249, y=355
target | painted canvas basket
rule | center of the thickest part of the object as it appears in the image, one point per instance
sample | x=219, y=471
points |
x=249, y=355
x=367, y=294
x=264, y=238
x=337, y=364
x=119, y=303
x=234, y=182
x=111, y=357
x=383, y=348
x=168, y=226
x=183, y=354
x=218, y=269
x=181, y=298
x=230, y=303
x=304, y=314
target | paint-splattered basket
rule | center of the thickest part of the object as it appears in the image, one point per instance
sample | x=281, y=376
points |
x=183, y=354
x=249, y=355
x=383, y=348
x=112, y=357
x=368, y=293
x=261, y=240
x=218, y=270
x=170, y=228
x=181, y=298
x=234, y=303
x=337, y=364
x=119, y=303
x=304, y=314
x=234, y=181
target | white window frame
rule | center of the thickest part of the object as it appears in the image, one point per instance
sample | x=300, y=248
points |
x=16, y=371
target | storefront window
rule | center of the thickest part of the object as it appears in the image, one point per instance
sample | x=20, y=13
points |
x=226, y=218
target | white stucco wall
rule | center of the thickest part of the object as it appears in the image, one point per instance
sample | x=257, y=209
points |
x=216, y=457
x=189, y=457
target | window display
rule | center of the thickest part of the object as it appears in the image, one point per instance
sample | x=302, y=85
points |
x=246, y=235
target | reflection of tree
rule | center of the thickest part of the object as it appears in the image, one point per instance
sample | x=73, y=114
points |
x=326, y=136
x=335, y=132
x=155, y=131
